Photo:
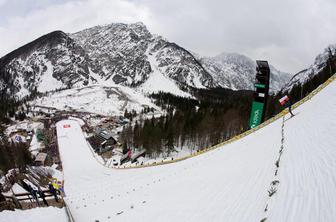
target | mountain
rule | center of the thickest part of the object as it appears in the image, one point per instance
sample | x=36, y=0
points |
x=236, y=71
x=128, y=54
x=320, y=63
x=49, y=62
x=121, y=54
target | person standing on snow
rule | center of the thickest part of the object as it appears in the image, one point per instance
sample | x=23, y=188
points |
x=61, y=188
x=56, y=186
x=53, y=191
x=286, y=102
x=33, y=192
x=42, y=195
x=289, y=105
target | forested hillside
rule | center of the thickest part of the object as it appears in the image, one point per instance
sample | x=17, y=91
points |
x=214, y=116
x=301, y=89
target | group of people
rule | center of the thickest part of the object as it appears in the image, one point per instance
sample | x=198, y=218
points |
x=55, y=188
x=38, y=193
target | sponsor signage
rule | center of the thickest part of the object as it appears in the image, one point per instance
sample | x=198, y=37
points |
x=259, y=85
x=261, y=93
x=18, y=138
x=256, y=114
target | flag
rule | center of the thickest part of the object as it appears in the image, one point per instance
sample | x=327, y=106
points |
x=283, y=100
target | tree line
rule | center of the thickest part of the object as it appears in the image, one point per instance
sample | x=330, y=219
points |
x=299, y=91
x=13, y=155
x=212, y=116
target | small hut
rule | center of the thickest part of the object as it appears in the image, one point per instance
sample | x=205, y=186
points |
x=40, y=159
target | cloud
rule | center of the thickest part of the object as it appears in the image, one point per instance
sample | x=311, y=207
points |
x=288, y=33
x=70, y=16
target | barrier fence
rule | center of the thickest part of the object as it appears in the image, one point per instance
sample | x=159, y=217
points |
x=18, y=198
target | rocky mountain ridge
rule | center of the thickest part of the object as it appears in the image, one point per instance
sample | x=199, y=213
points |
x=320, y=62
x=236, y=71
x=120, y=54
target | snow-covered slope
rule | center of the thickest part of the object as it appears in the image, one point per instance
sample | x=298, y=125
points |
x=236, y=71
x=50, y=214
x=104, y=100
x=121, y=53
x=50, y=62
x=228, y=184
x=159, y=82
x=319, y=63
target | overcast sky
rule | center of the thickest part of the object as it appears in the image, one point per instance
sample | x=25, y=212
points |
x=288, y=33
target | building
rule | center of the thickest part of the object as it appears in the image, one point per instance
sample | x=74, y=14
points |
x=105, y=140
x=40, y=159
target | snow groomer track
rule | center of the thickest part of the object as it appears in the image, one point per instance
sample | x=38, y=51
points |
x=233, y=181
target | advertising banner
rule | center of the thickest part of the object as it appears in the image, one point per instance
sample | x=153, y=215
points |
x=256, y=114
x=261, y=84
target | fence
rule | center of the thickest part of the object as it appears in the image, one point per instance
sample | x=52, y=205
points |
x=18, y=198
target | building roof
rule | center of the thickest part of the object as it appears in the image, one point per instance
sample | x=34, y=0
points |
x=41, y=157
x=104, y=134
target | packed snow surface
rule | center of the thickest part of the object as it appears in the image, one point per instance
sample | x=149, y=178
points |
x=50, y=214
x=228, y=184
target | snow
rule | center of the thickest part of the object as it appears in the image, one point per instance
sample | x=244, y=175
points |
x=320, y=63
x=98, y=99
x=230, y=183
x=97, y=79
x=23, y=125
x=34, y=146
x=47, y=81
x=55, y=173
x=307, y=188
x=197, y=82
x=227, y=184
x=16, y=188
x=158, y=82
x=80, y=121
x=50, y=214
x=237, y=72
x=177, y=154
x=23, y=90
x=2, y=84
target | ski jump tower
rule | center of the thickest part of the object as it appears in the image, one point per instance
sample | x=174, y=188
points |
x=261, y=93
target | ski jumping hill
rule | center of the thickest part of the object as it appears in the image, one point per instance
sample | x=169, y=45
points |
x=285, y=171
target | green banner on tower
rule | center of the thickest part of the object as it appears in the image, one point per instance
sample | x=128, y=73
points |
x=256, y=114
x=261, y=85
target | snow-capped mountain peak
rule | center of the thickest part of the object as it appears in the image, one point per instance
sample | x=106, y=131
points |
x=123, y=54
x=320, y=62
x=237, y=71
